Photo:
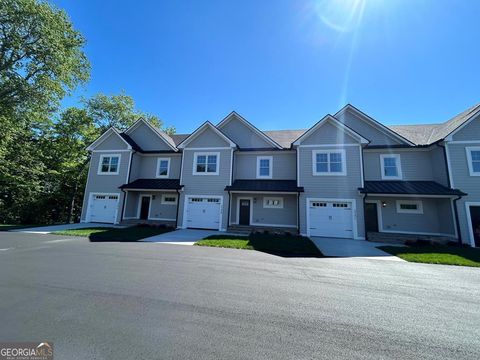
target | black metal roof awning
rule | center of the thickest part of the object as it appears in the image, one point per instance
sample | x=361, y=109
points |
x=153, y=184
x=265, y=186
x=426, y=188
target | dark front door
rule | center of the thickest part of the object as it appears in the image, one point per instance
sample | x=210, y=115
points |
x=144, y=207
x=371, y=217
x=475, y=216
x=244, y=212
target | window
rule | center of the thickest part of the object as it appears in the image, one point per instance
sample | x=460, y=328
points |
x=331, y=162
x=473, y=156
x=264, y=167
x=273, y=202
x=109, y=164
x=409, y=206
x=163, y=167
x=391, y=166
x=169, y=199
x=206, y=163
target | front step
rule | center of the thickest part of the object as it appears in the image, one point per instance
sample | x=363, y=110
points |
x=247, y=229
x=394, y=238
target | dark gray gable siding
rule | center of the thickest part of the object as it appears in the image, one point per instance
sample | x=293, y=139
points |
x=242, y=135
x=147, y=139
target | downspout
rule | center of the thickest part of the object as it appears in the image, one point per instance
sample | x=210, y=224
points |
x=228, y=211
x=298, y=212
x=124, y=192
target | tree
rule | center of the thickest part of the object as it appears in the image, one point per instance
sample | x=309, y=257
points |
x=41, y=56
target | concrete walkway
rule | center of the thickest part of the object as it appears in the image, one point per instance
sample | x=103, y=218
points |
x=352, y=248
x=52, y=228
x=183, y=236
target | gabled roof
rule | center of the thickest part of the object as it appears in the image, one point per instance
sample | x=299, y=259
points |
x=162, y=135
x=247, y=123
x=408, y=188
x=132, y=143
x=379, y=126
x=330, y=119
x=431, y=133
x=200, y=129
x=106, y=135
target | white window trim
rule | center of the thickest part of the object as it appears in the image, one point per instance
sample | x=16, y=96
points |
x=419, y=204
x=270, y=167
x=469, y=150
x=195, y=156
x=159, y=160
x=99, y=170
x=163, y=202
x=398, y=162
x=328, y=152
x=267, y=198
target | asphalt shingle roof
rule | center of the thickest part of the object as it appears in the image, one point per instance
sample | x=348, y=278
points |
x=153, y=184
x=408, y=188
x=265, y=185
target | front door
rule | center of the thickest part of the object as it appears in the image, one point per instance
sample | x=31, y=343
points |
x=144, y=207
x=371, y=217
x=244, y=212
x=475, y=216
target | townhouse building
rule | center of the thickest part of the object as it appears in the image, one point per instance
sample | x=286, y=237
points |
x=348, y=176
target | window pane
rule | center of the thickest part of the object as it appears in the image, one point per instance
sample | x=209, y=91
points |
x=201, y=159
x=104, y=168
x=114, y=160
x=264, y=163
x=264, y=172
x=390, y=161
x=322, y=158
x=335, y=167
x=106, y=160
x=211, y=167
x=476, y=166
x=390, y=171
x=409, y=206
x=322, y=167
x=200, y=167
x=113, y=168
x=475, y=155
x=212, y=159
x=336, y=157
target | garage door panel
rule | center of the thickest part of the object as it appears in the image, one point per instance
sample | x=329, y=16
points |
x=203, y=213
x=103, y=208
x=331, y=219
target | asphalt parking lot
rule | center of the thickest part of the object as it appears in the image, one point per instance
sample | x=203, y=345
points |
x=148, y=300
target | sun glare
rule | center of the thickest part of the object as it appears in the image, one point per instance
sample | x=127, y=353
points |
x=340, y=15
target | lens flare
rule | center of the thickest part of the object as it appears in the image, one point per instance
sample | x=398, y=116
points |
x=340, y=15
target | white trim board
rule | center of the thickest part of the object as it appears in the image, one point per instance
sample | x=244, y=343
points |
x=468, y=204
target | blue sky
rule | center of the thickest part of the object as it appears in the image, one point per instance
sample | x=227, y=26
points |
x=283, y=64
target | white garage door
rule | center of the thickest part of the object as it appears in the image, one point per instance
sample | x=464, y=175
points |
x=103, y=208
x=203, y=213
x=331, y=219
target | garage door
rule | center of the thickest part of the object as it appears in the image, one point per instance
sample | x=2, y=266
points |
x=203, y=213
x=331, y=219
x=103, y=208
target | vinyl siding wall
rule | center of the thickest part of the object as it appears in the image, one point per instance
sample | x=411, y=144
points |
x=105, y=183
x=286, y=216
x=328, y=134
x=205, y=184
x=145, y=166
x=113, y=141
x=331, y=187
x=283, y=167
x=243, y=136
x=147, y=139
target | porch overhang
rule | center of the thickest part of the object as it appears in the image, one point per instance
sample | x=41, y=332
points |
x=409, y=189
x=265, y=186
x=152, y=185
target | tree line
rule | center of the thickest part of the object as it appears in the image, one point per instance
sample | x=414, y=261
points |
x=43, y=161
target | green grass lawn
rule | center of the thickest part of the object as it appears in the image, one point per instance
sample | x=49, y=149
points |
x=436, y=254
x=100, y=234
x=272, y=244
x=7, y=227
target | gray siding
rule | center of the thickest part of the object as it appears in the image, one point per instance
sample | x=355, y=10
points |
x=439, y=166
x=147, y=139
x=328, y=134
x=368, y=131
x=207, y=139
x=113, y=141
x=243, y=136
x=105, y=183
x=332, y=187
x=437, y=217
x=287, y=216
x=470, y=131
x=284, y=165
x=463, y=181
x=416, y=165
x=206, y=184
x=145, y=166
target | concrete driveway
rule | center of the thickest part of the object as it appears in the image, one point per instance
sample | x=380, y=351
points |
x=351, y=248
x=183, y=236
x=52, y=228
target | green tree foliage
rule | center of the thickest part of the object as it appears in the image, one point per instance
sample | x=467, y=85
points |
x=43, y=161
